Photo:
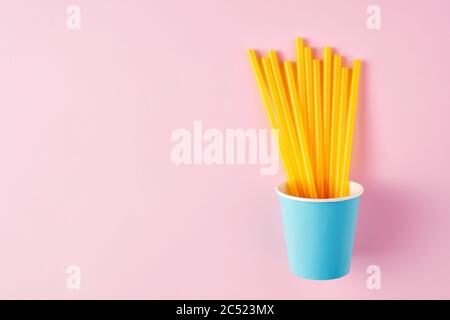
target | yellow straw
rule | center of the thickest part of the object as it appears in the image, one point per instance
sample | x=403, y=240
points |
x=318, y=125
x=342, y=114
x=326, y=114
x=334, y=125
x=283, y=121
x=310, y=106
x=301, y=83
x=286, y=112
x=314, y=108
x=272, y=119
x=350, y=125
x=303, y=142
x=254, y=61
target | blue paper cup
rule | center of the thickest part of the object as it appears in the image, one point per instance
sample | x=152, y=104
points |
x=319, y=233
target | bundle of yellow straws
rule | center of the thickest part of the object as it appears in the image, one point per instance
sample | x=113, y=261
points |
x=312, y=103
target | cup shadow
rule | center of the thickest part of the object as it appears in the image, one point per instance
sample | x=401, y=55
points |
x=386, y=210
x=384, y=219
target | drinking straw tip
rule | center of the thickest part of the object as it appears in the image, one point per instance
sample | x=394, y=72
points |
x=327, y=50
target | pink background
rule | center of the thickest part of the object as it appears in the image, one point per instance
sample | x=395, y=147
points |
x=85, y=170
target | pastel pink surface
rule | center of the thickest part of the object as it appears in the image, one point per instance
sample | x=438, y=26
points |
x=85, y=170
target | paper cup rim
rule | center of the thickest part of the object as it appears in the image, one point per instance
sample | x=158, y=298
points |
x=356, y=190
